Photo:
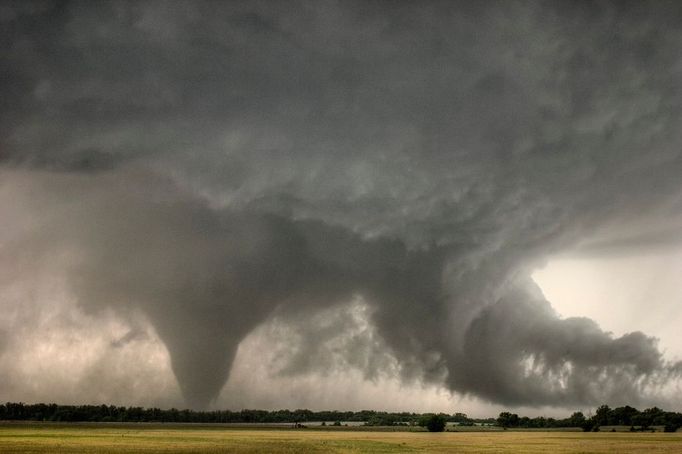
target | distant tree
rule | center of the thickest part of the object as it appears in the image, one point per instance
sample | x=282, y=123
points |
x=673, y=421
x=622, y=416
x=587, y=426
x=602, y=416
x=462, y=419
x=382, y=419
x=655, y=415
x=577, y=419
x=433, y=423
x=507, y=419
x=644, y=419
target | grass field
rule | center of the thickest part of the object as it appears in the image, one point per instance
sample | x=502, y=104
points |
x=57, y=438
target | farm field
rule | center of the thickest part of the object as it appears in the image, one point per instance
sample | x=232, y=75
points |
x=157, y=438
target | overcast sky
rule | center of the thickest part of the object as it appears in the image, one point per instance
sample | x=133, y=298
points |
x=420, y=206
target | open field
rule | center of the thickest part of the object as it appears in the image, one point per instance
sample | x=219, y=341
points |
x=156, y=438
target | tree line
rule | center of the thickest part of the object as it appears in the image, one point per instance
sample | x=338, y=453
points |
x=603, y=416
x=109, y=413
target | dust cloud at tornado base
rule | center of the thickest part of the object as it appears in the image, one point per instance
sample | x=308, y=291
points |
x=388, y=177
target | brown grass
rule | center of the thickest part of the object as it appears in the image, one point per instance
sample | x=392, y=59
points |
x=51, y=438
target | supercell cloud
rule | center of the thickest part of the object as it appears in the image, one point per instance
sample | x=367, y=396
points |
x=385, y=174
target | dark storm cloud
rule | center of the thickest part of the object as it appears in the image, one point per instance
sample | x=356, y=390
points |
x=214, y=165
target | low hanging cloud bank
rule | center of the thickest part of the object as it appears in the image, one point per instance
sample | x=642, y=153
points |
x=212, y=168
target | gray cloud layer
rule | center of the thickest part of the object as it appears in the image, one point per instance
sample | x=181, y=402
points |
x=214, y=165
